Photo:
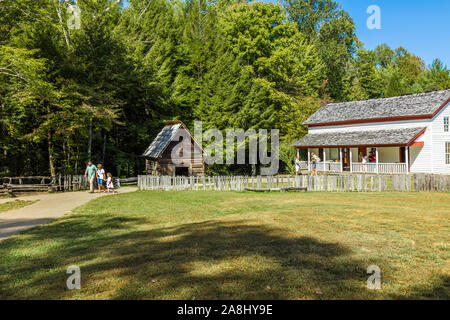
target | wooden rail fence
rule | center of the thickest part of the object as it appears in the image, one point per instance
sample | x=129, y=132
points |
x=43, y=183
x=331, y=183
x=47, y=183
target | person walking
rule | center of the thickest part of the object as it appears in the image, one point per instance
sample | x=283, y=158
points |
x=90, y=173
x=315, y=160
x=110, y=183
x=100, y=178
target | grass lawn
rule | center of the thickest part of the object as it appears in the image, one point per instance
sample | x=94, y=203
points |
x=17, y=204
x=225, y=245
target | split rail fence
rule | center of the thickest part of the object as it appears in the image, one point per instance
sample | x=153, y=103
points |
x=330, y=183
x=43, y=183
x=50, y=184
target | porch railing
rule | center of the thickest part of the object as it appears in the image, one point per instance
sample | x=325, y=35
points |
x=364, y=167
x=304, y=165
x=382, y=168
x=328, y=167
x=392, y=168
x=357, y=167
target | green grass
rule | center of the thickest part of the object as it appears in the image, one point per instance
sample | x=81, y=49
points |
x=17, y=204
x=225, y=245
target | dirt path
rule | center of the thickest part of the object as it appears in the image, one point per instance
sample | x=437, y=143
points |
x=49, y=206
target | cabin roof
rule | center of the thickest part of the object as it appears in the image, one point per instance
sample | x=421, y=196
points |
x=391, y=137
x=420, y=105
x=163, y=139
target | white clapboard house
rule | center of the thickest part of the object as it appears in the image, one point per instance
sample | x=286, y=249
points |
x=406, y=134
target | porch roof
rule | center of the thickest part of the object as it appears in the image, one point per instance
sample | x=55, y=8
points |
x=361, y=138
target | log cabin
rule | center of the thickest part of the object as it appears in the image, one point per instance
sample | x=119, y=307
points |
x=174, y=152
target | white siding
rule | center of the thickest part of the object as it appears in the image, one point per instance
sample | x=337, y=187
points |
x=439, y=137
x=420, y=156
x=372, y=126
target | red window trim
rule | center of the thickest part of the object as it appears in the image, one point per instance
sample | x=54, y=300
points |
x=417, y=144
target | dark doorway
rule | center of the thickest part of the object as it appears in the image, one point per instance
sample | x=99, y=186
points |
x=346, y=159
x=402, y=155
x=182, y=171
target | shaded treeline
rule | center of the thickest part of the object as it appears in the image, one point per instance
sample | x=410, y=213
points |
x=103, y=91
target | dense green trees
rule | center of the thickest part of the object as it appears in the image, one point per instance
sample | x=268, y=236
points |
x=103, y=90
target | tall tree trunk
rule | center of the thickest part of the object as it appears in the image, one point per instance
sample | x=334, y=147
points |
x=65, y=163
x=104, y=149
x=90, y=141
x=50, y=155
x=59, y=13
x=76, y=161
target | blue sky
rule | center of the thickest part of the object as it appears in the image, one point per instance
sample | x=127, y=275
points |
x=421, y=26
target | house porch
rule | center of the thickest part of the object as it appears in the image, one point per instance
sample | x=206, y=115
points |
x=385, y=160
x=361, y=150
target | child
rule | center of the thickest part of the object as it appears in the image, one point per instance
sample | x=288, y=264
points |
x=109, y=183
x=100, y=178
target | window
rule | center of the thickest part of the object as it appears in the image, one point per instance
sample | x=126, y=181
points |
x=445, y=124
x=447, y=153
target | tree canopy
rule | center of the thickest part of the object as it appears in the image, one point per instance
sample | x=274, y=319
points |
x=103, y=90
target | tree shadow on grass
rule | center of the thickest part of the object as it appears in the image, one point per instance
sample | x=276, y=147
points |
x=437, y=288
x=234, y=259
x=129, y=258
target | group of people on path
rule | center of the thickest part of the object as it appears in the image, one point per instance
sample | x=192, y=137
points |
x=97, y=173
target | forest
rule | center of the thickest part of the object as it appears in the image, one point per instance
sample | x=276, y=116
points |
x=104, y=89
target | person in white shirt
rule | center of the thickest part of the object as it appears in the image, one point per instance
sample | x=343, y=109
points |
x=297, y=165
x=100, y=178
x=365, y=160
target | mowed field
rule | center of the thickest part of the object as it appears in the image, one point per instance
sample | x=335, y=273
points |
x=229, y=245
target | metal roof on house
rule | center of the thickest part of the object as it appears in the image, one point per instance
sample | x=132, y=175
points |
x=392, y=137
x=161, y=141
x=414, y=105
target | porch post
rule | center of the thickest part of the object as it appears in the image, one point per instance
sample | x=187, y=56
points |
x=324, y=160
x=407, y=158
x=298, y=153
x=340, y=157
x=376, y=158
x=351, y=157
x=309, y=161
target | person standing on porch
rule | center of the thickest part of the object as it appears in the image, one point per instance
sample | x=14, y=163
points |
x=297, y=165
x=91, y=174
x=372, y=157
x=364, y=161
